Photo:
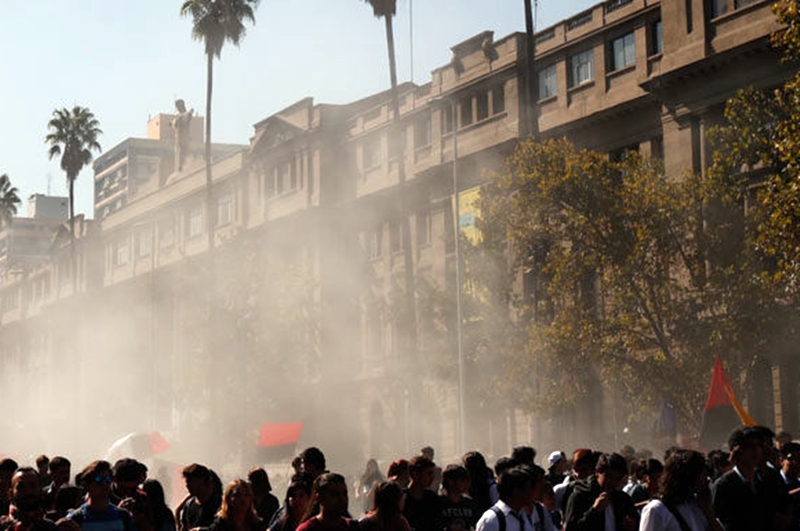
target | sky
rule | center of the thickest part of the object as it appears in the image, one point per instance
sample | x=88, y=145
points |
x=128, y=61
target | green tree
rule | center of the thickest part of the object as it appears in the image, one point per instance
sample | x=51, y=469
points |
x=8, y=201
x=616, y=286
x=215, y=22
x=73, y=136
x=757, y=159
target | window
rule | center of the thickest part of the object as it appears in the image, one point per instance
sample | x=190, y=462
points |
x=120, y=253
x=447, y=118
x=623, y=52
x=376, y=242
x=286, y=177
x=144, y=242
x=266, y=183
x=422, y=132
x=547, y=82
x=623, y=154
x=225, y=206
x=498, y=99
x=718, y=7
x=423, y=227
x=465, y=111
x=482, y=101
x=372, y=153
x=195, y=222
x=657, y=38
x=166, y=232
x=581, y=68
x=396, y=236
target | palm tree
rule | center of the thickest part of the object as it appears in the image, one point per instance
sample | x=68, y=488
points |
x=8, y=201
x=214, y=23
x=73, y=135
x=387, y=9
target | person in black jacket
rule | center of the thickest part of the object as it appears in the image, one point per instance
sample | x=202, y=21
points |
x=599, y=499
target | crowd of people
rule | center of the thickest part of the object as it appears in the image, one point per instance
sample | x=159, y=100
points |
x=753, y=486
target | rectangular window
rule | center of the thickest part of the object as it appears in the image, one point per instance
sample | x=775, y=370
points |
x=120, y=253
x=657, y=36
x=465, y=111
x=286, y=177
x=581, y=68
x=423, y=227
x=372, y=153
x=499, y=99
x=266, y=183
x=166, y=232
x=447, y=118
x=194, y=226
x=376, y=242
x=144, y=242
x=718, y=7
x=482, y=105
x=547, y=82
x=422, y=132
x=623, y=52
x=225, y=213
x=396, y=237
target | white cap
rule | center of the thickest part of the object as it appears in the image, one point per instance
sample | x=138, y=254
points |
x=554, y=458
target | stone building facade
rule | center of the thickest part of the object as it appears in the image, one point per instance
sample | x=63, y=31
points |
x=316, y=202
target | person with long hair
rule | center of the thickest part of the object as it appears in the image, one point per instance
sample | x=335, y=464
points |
x=297, y=501
x=482, y=487
x=161, y=514
x=685, y=502
x=364, y=488
x=266, y=503
x=330, y=494
x=387, y=511
x=237, y=512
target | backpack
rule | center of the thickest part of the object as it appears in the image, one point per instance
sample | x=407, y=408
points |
x=501, y=517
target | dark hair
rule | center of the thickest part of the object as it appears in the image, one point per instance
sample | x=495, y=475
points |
x=535, y=472
x=42, y=460
x=427, y=450
x=451, y=474
x=58, y=462
x=790, y=449
x=299, y=482
x=419, y=463
x=8, y=465
x=479, y=479
x=259, y=478
x=371, y=476
x=397, y=467
x=157, y=502
x=502, y=464
x=611, y=462
x=319, y=488
x=313, y=456
x=93, y=469
x=512, y=480
x=196, y=470
x=680, y=476
x=653, y=466
x=523, y=455
x=388, y=495
x=128, y=469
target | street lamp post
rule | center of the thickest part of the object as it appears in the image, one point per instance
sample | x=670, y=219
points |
x=462, y=407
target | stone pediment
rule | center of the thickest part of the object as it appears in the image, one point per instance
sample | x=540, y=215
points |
x=274, y=132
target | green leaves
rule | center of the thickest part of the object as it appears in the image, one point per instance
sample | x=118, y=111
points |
x=73, y=136
x=9, y=200
x=217, y=21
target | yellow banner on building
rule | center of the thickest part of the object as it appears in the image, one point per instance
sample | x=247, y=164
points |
x=469, y=212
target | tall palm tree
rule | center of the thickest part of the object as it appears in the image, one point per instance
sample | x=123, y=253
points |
x=387, y=9
x=73, y=136
x=8, y=201
x=214, y=23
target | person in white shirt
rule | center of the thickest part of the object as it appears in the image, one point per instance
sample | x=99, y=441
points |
x=516, y=489
x=685, y=504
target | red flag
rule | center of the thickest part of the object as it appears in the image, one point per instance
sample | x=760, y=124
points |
x=723, y=412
